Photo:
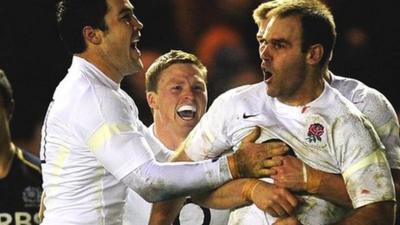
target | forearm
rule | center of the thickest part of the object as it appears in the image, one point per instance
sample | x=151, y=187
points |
x=332, y=188
x=227, y=196
x=164, y=213
x=381, y=213
x=163, y=181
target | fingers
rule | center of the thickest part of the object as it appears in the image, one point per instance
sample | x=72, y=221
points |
x=268, y=163
x=253, y=136
x=265, y=172
x=276, y=149
x=281, y=208
x=277, y=201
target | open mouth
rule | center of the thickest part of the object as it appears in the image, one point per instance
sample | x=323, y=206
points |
x=134, y=44
x=186, y=112
x=267, y=74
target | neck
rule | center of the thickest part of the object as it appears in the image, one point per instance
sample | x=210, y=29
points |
x=311, y=89
x=106, y=68
x=327, y=75
x=168, y=137
x=6, y=156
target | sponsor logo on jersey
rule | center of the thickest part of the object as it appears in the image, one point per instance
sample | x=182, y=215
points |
x=31, y=196
x=245, y=116
x=19, y=218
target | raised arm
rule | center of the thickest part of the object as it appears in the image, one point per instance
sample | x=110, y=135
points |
x=297, y=176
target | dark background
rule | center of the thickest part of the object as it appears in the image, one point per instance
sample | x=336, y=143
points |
x=35, y=60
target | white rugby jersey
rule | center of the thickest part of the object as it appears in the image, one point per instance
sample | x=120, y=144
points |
x=81, y=172
x=137, y=210
x=377, y=108
x=329, y=134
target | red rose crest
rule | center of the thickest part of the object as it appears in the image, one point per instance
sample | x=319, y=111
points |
x=315, y=131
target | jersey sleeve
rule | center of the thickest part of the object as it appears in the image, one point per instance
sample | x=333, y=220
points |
x=362, y=161
x=383, y=117
x=112, y=132
x=209, y=139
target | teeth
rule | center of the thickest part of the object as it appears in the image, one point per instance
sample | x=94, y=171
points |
x=187, y=112
x=187, y=108
x=267, y=74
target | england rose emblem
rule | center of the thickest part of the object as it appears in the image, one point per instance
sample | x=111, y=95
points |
x=315, y=131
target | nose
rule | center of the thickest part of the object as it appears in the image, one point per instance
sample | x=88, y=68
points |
x=188, y=93
x=137, y=25
x=265, y=51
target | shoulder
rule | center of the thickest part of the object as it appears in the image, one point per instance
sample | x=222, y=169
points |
x=242, y=94
x=28, y=160
x=368, y=100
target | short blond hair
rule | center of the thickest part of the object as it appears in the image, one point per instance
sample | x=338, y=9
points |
x=260, y=13
x=164, y=61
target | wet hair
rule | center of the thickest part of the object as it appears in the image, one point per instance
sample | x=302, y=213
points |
x=74, y=15
x=168, y=59
x=318, y=26
x=6, y=91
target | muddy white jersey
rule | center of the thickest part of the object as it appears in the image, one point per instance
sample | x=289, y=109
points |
x=329, y=134
x=377, y=108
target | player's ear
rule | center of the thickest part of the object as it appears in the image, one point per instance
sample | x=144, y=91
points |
x=314, y=54
x=91, y=35
x=152, y=99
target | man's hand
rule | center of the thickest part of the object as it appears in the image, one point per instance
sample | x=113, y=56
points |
x=287, y=221
x=290, y=173
x=248, y=160
x=274, y=200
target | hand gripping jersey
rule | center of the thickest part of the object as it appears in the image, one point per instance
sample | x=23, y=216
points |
x=21, y=189
x=137, y=210
x=329, y=134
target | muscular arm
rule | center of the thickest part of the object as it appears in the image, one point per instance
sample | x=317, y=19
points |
x=291, y=174
x=331, y=187
x=380, y=213
x=266, y=196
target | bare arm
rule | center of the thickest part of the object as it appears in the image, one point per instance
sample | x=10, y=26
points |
x=266, y=196
x=291, y=174
x=380, y=213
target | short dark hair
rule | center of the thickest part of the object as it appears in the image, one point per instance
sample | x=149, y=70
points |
x=74, y=15
x=318, y=26
x=6, y=91
x=168, y=59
